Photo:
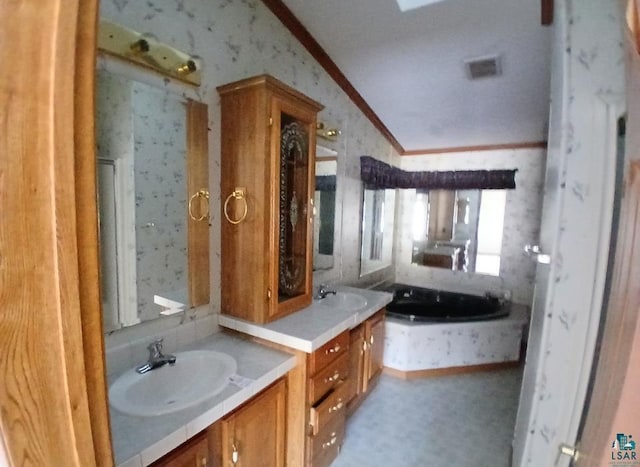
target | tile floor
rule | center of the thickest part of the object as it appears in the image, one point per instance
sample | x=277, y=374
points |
x=450, y=421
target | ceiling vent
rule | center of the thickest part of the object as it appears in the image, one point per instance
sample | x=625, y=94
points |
x=483, y=67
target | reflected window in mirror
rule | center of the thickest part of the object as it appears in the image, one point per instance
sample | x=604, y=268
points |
x=142, y=174
x=458, y=230
x=378, y=211
x=324, y=214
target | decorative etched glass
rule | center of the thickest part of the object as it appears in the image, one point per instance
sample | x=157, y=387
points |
x=294, y=166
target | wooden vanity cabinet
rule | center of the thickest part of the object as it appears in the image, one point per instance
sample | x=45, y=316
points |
x=267, y=185
x=194, y=453
x=251, y=436
x=254, y=435
x=328, y=383
x=365, y=358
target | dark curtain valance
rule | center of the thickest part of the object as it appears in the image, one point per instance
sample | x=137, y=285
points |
x=325, y=183
x=378, y=175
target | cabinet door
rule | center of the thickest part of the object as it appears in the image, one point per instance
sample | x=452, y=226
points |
x=356, y=362
x=374, y=335
x=295, y=152
x=194, y=453
x=254, y=435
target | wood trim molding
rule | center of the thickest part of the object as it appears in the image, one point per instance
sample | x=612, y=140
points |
x=87, y=232
x=198, y=179
x=546, y=12
x=488, y=147
x=53, y=406
x=456, y=370
x=293, y=24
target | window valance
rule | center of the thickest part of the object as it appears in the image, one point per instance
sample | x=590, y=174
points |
x=378, y=175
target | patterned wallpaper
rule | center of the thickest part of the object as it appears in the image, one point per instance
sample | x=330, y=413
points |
x=522, y=223
x=113, y=117
x=161, y=195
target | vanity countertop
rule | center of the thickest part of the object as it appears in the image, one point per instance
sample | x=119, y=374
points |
x=311, y=327
x=139, y=441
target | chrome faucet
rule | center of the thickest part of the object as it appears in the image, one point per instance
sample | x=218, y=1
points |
x=323, y=291
x=156, y=357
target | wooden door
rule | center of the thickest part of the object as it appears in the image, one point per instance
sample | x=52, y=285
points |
x=613, y=406
x=254, y=435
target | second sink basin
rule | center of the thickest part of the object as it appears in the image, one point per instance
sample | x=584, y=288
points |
x=196, y=376
x=344, y=300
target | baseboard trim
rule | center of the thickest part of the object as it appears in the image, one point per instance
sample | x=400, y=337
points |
x=456, y=370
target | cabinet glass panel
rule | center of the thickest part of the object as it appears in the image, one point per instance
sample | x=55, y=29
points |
x=294, y=167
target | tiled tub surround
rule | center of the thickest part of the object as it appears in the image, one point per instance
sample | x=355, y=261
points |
x=412, y=346
x=139, y=441
x=314, y=326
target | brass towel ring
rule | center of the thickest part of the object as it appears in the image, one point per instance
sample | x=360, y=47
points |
x=238, y=194
x=202, y=194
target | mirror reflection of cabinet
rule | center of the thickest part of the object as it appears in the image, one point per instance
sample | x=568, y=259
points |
x=268, y=148
x=152, y=159
x=459, y=230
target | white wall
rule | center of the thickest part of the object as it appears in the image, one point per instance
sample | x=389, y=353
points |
x=521, y=223
x=587, y=71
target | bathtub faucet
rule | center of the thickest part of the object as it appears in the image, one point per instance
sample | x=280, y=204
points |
x=323, y=291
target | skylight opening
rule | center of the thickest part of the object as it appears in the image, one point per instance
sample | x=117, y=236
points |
x=406, y=5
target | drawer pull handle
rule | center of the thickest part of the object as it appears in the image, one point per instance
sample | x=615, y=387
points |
x=371, y=340
x=336, y=407
x=331, y=442
x=331, y=379
x=235, y=455
x=335, y=349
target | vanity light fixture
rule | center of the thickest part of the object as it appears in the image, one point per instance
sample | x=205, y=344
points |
x=190, y=66
x=144, y=44
x=327, y=133
x=146, y=50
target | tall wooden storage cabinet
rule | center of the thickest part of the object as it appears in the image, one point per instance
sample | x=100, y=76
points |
x=267, y=183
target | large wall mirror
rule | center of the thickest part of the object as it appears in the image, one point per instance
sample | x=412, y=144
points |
x=152, y=198
x=459, y=230
x=378, y=215
x=325, y=214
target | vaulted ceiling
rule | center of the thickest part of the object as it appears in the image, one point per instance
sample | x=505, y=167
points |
x=409, y=67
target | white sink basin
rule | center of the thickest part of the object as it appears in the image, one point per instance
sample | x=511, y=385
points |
x=344, y=300
x=196, y=376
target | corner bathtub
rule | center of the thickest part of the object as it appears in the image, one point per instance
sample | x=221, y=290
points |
x=438, y=306
x=447, y=339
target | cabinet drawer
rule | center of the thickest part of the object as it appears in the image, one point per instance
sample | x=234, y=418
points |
x=325, y=446
x=328, y=352
x=329, y=378
x=331, y=407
